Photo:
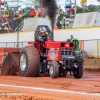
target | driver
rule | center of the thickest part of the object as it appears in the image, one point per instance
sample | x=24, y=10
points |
x=42, y=32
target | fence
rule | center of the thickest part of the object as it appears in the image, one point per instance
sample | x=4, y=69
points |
x=92, y=47
x=12, y=44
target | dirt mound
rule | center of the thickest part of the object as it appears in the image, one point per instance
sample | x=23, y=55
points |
x=10, y=65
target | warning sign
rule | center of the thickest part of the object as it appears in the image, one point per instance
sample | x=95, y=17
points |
x=32, y=12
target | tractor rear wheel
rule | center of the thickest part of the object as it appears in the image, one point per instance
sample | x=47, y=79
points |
x=29, y=61
x=79, y=72
x=54, y=69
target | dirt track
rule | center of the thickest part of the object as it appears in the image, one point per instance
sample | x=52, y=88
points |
x=35, y=88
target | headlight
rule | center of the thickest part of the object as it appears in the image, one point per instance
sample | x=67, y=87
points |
x=52, y=55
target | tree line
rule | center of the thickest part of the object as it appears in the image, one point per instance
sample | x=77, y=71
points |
x=89, y=8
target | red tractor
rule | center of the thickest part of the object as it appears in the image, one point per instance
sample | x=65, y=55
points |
x=46, y=56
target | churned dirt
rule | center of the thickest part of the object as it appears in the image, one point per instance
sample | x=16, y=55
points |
x=10, y=64
x=90, y=82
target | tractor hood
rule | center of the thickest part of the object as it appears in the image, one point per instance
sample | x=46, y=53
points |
x=58, y=44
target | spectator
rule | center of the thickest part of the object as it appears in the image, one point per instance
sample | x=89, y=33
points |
x=76, y=43
x=77, y=51
x=71, y=37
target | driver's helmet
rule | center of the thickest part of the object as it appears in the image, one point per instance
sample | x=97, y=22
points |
x=42, y=31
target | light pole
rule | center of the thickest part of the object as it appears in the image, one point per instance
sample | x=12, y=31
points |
x=12, y=19
x=18, y=30
x=64, y=22
x=75, y=7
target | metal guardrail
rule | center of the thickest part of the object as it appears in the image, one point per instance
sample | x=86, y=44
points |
x=12, y=44
x=92, y=47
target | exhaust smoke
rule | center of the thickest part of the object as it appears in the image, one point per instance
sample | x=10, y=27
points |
x=51, y=7
x=51, y=10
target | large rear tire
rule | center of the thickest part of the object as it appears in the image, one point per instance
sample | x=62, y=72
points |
x=54, y=69
x=29, y=61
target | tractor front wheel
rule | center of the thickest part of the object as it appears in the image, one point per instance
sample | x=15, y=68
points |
x=29, y=61
x=54, y=69
x=78, y=72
